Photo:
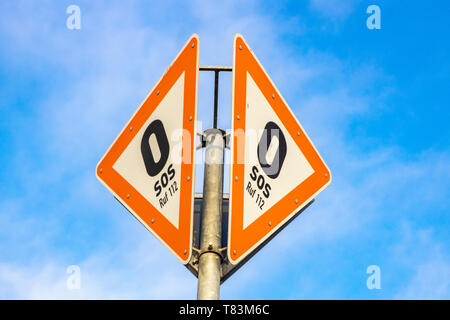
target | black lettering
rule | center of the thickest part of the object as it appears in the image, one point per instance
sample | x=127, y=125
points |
x=171, y=172
x=164, y=180
x=260, y=182
x=254, y=172
x=266, y=191
x=157, y=188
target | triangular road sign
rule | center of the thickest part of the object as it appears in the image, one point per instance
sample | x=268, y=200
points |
x=276, y=170
x=150, y=166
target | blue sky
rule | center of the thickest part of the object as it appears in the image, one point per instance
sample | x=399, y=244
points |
x=375, y=103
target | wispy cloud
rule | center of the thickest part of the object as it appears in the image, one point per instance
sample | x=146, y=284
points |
x=427, y=263
x=119, y=274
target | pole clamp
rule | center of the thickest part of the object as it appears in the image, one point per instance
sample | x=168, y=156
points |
x=219, y=252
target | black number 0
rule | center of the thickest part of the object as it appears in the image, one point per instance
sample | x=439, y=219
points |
x=152, y=167
x=272, y=170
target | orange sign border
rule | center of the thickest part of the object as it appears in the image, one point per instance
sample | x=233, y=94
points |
x=179, y=241
x=242, y=242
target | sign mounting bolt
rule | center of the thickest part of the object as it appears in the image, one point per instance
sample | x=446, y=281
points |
x=273, y=96
x=270, y=223
x=296, y=201
x=185, y=251
x=131, y=128
x=236, y=178
x=101, y=170
x=128, y=196
x=188, y=178
x=153, y=220
x=298, y=133
x=193, y=44
x=190, y=118
x=240, y=47
x=157, y=92
x=234, y=251
x=238, y=117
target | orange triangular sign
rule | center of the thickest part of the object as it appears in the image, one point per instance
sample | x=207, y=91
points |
x=149, y=168
x=276, y=170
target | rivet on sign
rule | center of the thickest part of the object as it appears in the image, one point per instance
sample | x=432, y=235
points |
x=240, y=47
x=193, y=45
x=128, y=196
x=273, y=96
x=157, y=92
x=296, y=201
x=326, y=175
x=298, y=133
x=185, y=251
x=238, y=117
x=188, y=178
x=270, y=223
x=236, y=178
x=234, y=251
x=190, y=118
x=101, y=170
x=131, y=128
x=153, y=220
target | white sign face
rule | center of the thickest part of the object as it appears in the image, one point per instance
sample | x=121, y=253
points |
x=161, y=190
x=150, y=166
x=267, y=185
x=276, y=170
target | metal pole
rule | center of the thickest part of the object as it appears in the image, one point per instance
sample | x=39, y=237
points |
x=216, y=96
x=210, y=257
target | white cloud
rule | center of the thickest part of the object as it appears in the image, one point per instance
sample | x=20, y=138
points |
x=430, y=281
x=142, y=272
x=427, y=261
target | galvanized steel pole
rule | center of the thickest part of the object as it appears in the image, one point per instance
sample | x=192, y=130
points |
x=210, y=257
